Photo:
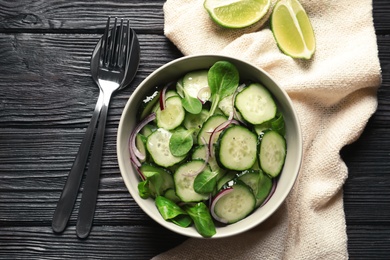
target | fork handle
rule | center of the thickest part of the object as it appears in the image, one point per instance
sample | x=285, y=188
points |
x=91, y=185
x=69, y=193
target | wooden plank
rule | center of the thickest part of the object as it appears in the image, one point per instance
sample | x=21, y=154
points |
x=107, y=242
x=38, y=69
x=368, y=242
x=142, y=242
x=63, y=15
x=381, y=10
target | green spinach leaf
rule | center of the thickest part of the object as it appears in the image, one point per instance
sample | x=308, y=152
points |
x=181, y=142
x=143, y=189
x=203, y=221
x=155, y=181
x=223, y=79
x=205, y=182
x=171, y=211
x=191, y=104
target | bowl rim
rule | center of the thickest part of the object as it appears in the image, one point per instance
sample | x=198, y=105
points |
x=268, y=208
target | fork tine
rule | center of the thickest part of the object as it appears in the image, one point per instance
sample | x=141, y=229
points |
x=118, y=47
x=123, y=46
x=128, y=47
x=113, y=44
x=103, y=50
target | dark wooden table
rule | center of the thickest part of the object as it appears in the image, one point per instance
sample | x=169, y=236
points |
x=46, y=100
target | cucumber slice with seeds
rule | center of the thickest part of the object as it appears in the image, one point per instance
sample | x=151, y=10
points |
x=200, y=152
x=192, y=121
x=140, y=141
x=272, y=153
x=157, y=145
x=256, y=104
x=259, y=182
x=184, y=178
x=173, y=114
x=236, y=148
x=233, y=203
x=209, y=126
x=196, y=84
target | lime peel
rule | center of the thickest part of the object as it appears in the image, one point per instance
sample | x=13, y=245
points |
x=292, y=29
x=236, y=13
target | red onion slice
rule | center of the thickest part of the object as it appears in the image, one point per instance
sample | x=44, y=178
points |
x=162, y=96
x=214, y=202
x=200, y=93
x=206, y=161
x=135, y=154
x=220, y=128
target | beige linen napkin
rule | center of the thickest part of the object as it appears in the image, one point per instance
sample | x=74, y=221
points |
x=334, y=94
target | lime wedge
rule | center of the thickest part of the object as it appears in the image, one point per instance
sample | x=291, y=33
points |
x=292, y=29
x=236, y=13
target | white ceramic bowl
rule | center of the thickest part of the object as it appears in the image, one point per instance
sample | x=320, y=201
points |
x=174, y=70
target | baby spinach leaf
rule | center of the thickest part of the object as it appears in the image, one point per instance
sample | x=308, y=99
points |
x=182, y=220
x=265, y=186
x=167, y=208
x=171, y=211
x=205, y=182
x=203, y=221
x=143, y=189
x=181, y=142
x=277, y=124
x=223, y=79
x=190, y=104
x=155, y=180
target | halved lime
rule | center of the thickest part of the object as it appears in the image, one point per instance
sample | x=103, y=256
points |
x=236, y=13
x=292, y=29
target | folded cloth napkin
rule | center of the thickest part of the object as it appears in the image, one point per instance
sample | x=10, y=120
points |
x=334, y=94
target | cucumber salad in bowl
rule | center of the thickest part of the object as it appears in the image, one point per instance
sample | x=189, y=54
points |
x=208, y=148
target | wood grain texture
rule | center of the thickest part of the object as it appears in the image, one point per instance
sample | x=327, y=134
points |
x=105, y=242
x=46, y=100
x=64, y=16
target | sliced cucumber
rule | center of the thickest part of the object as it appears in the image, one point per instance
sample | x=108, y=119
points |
x=276, y=123
x=184, y=178
x=272, y=153
x=170, y=93
x=157, y=145
x=165, y=178
x=226, y=105
x=148, y=130
x=192, y=121
x=140, y=141
x=173, y=114
x=236, y=148
x=259, y=182
x=200, y=152
x=233, y=203
x=209, y=126
x=256, y=104
x=196, y=85
x=224, y=179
